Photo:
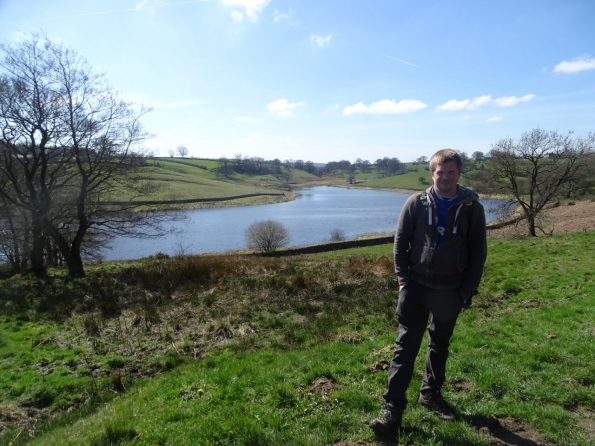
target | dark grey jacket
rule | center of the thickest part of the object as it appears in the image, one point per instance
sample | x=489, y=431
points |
x=458, y=261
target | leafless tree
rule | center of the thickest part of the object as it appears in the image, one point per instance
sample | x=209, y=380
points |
x=182, y=151
x=338, y=235
x=15, y=232
x=536, y=170
x=67, y=149
x=477, y=156
x=267, y=236
x=171, y=153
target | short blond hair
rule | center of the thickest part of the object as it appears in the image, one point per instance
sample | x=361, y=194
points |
x=444, y=156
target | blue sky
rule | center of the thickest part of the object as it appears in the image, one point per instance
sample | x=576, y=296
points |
x=328, y=80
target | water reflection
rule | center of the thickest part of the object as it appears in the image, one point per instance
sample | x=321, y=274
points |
x=309, y=219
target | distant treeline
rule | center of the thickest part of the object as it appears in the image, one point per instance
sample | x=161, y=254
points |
x=259, y=166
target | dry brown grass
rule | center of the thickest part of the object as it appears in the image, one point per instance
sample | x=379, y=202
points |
x=562, y=219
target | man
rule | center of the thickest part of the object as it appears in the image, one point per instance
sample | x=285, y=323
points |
x=439, y=252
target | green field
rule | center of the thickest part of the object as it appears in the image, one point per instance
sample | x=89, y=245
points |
x=181, y=179
x=246, y=350
x=190, y=178
x=167, y=179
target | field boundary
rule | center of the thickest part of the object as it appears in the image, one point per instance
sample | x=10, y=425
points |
x=189, y=200
x=333, y=246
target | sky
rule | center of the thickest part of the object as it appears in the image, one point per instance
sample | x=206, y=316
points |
x=330, y=80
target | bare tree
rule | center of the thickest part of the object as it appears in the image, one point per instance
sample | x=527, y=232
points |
x=477, y=156
x=15, y=232
x=182, y=151
x=267, y=236
x=171, y=153
x=66, y=149
x=338, y=235
x=535, y=170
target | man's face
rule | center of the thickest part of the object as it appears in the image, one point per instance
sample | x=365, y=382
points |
x=445, y=177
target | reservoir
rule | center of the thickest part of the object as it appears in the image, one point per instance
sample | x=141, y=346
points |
x=309, y=220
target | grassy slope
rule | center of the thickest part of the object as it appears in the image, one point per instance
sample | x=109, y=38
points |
x=188, y=178
x=524, y=350
x=408, y=181
x=196, y=178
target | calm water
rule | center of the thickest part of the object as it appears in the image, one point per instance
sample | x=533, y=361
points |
x=309, y=219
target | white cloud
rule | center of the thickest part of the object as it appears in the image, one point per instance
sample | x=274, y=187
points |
x=576, y=65
x=332, y=108
x=319, y=40
x=278, y=16
x=509, y=101
x=252, y=7
x=141, y=4
x=495, y=119
x=237, y=16
x=466, y=117
x=244, y=119
x=466, y=104
x=386, y=107
x=283, y=107
x=357, y=108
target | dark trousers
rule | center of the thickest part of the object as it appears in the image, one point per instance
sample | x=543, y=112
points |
x=416, y=304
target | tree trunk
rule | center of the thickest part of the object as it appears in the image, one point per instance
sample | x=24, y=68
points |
x=75, y=267
x=38, y=244
x=532, y=232
x=75, y=252
x=73, y=262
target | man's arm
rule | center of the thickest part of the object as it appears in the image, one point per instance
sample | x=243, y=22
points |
x=403, y=237
x=478, y=249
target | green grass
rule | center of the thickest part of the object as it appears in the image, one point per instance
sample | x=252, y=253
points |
x=188, y=178
x=231, y=350
x=408, y=181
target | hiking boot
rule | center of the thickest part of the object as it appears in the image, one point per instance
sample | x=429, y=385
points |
x=388, y=420
x=434, y=402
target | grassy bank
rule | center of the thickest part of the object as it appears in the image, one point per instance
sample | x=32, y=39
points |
x=181, y=179
x=189, y=178
x=248, y=350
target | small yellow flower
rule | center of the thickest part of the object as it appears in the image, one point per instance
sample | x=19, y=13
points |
x=305, y=410
x=200, y=391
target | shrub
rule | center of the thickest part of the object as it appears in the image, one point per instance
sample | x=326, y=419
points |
x=337, y=235
x=266, y=236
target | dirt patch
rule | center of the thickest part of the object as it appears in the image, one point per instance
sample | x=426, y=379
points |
x=25, y=418
x=380, y=366
x=563, y=219
x=588, y=424
x=586, y=420
x=510, y=432
x=462, y=386
x=323, y=386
